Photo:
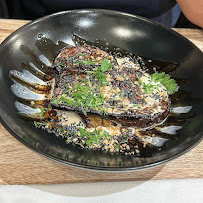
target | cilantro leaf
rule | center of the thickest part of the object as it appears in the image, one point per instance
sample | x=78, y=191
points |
x=105, y=65
x=170, y=84
x=158, y=79
x=100, y=75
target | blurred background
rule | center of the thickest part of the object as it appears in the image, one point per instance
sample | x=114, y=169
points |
x=166, y=12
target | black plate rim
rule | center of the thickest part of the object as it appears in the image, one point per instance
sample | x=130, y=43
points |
x=84, y=166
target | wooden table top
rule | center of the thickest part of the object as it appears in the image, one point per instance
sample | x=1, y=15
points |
x=21, y=165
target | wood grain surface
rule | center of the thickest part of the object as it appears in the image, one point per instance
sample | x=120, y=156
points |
x=20, y=165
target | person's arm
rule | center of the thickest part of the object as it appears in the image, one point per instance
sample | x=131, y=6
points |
x=193, y=10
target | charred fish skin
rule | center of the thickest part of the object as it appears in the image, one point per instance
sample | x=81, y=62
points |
x=122, y=99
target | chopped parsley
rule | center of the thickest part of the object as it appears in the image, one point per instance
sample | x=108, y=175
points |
x=95, y=137
x=63, y=99
x=84, y=62
x=82, y=96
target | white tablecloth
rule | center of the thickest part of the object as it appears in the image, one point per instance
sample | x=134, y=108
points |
x=183, y=191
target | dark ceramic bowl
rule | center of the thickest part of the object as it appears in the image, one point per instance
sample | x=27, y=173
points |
x=135, y=34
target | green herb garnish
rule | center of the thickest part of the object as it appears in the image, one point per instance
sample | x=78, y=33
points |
x=95, y=137
x=86, y=62
x=77, y=61
x=99, y=74
x=117, y=146
x=122, y=94
x=41, y=113
x=60, y=65
x=73, y=57
x=68, y=140
x=48, y=108
x=38, y=124
x=60, y=128
x=164, y=79
x=87, y=97
x=158, y=79
x=136, y=105
x=83, y=96
x=105, y=65
x=63, y=99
